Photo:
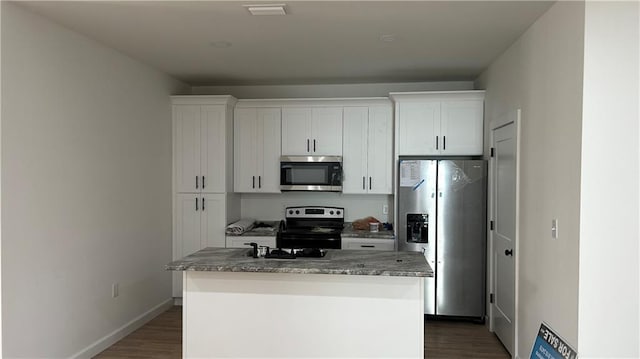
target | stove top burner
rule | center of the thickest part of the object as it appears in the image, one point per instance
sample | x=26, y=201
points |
x=296, y=253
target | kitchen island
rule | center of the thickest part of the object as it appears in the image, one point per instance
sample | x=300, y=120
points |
x=350, y=303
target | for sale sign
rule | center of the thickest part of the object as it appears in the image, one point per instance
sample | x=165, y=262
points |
x=549, y=345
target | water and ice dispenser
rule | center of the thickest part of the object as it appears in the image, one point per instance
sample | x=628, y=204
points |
x=417, y=227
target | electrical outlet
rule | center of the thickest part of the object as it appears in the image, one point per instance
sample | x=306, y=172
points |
x=115, y=291
x=385, y=209
x=554, y=228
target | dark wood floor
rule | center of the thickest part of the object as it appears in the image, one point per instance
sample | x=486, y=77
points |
x=162, y=338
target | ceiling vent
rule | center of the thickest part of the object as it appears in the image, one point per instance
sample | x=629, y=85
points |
x=266, y=9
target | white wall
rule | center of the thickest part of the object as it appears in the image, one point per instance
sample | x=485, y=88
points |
x=1, y=188
x=541, y=73
x=86, y=187
x=271, y=206
x=609, y=312
x=324, y=91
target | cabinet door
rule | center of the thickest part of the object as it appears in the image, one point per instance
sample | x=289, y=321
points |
x=187, y=147
x=245, y=135
x=380, y=151
x=462, y=127
x=213, y=148
x=354, y=157
x=213, y=212
x=188, y=230
x=418, y=126
x=296, y=131
x=268, y=154
x=327, y=131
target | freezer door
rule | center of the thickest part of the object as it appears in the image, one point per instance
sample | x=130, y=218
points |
x=417, y=216
x=461, y=240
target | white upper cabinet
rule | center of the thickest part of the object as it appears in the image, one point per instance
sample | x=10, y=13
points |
x=461, y=126
x=187, y=147
x=326, y=131
x=257, y=150
x=418, y=127
x=380, y=154
x=202, y=143
x=355, y=150
x=440, y=123
x=312, y=131
x=368, y=150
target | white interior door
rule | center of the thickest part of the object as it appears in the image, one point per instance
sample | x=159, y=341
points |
x=504, y=215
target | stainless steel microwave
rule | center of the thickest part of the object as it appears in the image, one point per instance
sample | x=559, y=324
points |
x=311, y=173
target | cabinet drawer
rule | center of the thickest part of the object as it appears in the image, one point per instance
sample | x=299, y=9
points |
x=368, y=244
x=239, y=241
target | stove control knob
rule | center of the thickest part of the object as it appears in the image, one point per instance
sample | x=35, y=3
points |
x=338, y=213
x=330, y=212
x=290, y=212
x=297, y=212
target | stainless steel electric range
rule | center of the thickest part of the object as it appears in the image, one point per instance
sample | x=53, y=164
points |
x=311, y=230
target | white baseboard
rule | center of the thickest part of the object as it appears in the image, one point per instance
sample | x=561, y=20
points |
x=111, y=338
x=177, y=301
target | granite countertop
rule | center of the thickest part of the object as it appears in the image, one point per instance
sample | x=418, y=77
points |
x=341, y=261
x=350, y=232
x=256, y=232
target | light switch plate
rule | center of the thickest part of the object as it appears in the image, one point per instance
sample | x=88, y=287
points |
x=554, y=228
x=385, y=209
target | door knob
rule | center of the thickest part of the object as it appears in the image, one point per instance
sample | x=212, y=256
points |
x=508, y=252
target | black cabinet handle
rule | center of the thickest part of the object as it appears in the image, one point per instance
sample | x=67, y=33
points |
x=314, y=145
x=436, y=142
x=196, y=203
x=203, y=182
x=196, y=182
x=367, y=246
x=203, y=203
x=253, y=181
x=259, y=181
x=369, y=182
x=508, y=252
x=444, y=142
x=307, y=145
x=363, y=182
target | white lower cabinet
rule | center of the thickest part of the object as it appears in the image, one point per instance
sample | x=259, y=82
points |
x=380, y=244
x=239, y=241
x=200, y=221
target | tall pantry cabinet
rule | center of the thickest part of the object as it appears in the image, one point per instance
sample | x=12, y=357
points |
x=203, y=201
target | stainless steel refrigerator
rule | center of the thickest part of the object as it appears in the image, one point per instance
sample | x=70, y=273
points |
x=442, y=213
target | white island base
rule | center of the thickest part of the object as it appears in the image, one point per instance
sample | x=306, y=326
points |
x=290, y=315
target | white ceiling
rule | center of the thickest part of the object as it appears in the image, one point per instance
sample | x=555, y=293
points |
x=316, y=42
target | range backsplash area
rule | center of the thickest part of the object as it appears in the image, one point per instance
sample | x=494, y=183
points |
x=271, y=207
